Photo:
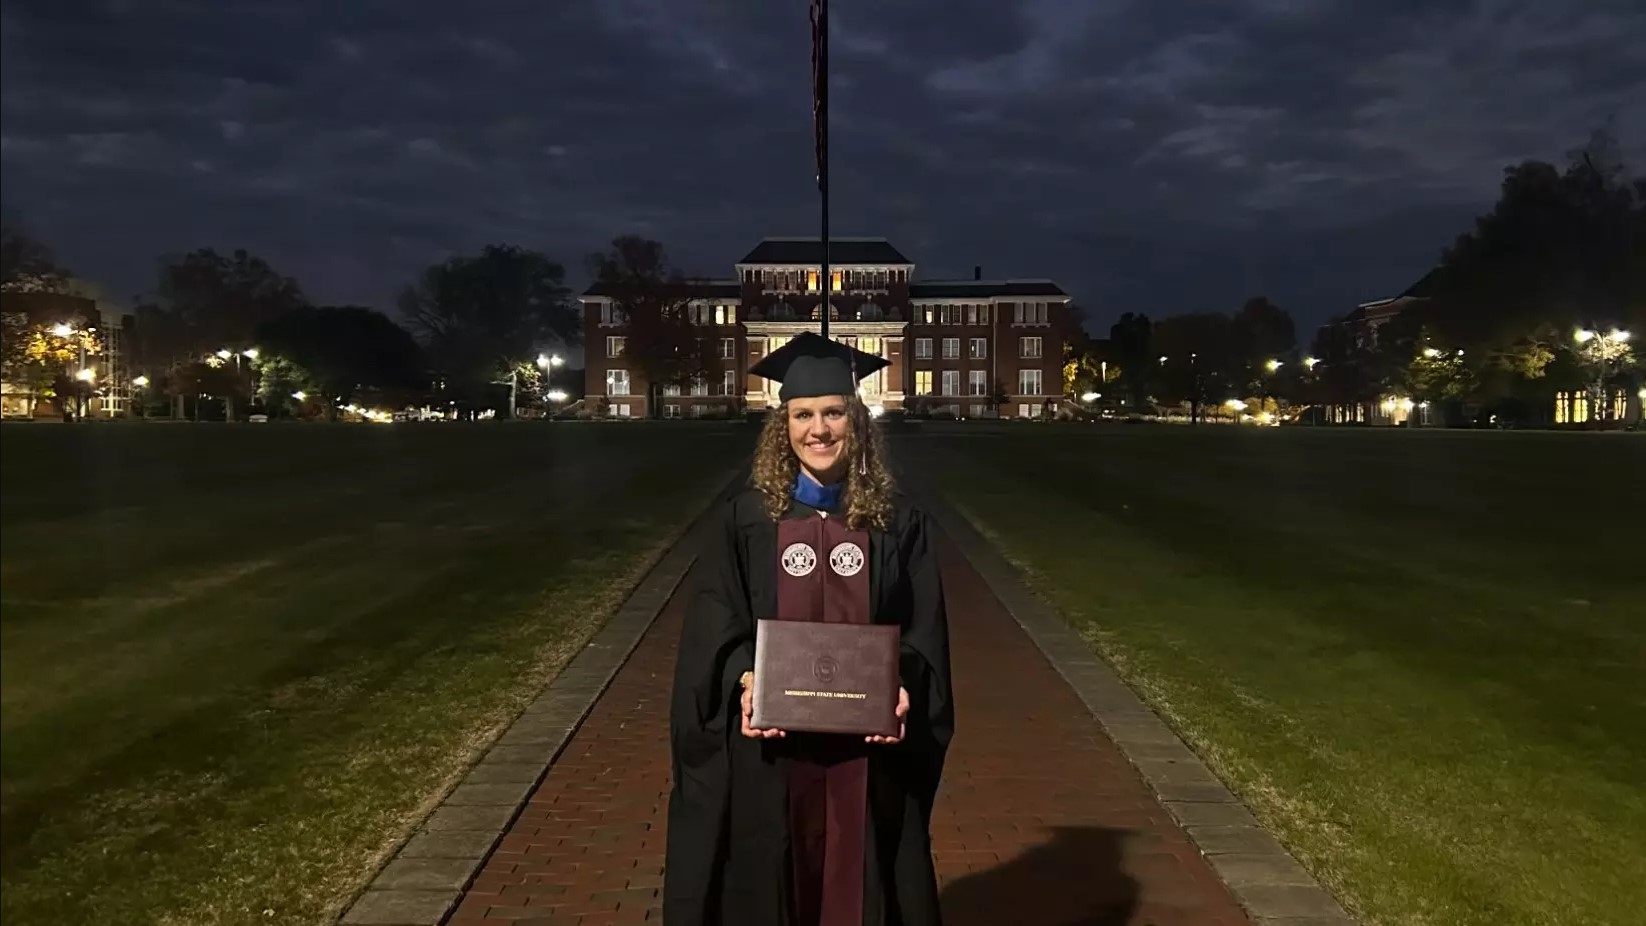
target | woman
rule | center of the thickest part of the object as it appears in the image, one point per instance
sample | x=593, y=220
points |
x=778, y=828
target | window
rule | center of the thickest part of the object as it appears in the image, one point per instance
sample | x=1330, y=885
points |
x=727, y=348
x=922, y=382
x=951, y=382
x=700, y=385
x=983, y=314
x=671, y=389
x=980, y=348
x=614, y=347
x=928, y=315
x=811, y=281
x=922, y=348
x=671, y=411
x=977, y=382
x=728, y=382
x=1028, y=410
x=1029, y=348
x=835, y=281
x=1031, y=313
x=1028, y=382
x=617, y=382
x=980, y=411
x=951, y=348
x=725, y=314
x=620, y=411
x=611, y=314
x=971, y=314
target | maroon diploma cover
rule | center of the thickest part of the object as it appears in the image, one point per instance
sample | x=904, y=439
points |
x=826, y=678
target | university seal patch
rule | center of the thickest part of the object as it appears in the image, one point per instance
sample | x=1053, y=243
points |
x=799, y=560
x=846, y=559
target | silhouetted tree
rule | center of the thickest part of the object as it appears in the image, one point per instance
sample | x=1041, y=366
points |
x=486, y=317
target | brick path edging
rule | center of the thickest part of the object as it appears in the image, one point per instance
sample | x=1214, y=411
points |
x=1263, y=876
x=425, y=879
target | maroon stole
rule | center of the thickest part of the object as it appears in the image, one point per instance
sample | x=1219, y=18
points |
x=823, y=575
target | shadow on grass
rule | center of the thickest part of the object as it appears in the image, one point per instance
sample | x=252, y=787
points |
x=1076, y=879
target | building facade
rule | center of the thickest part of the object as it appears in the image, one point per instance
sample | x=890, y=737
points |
x=973, y=348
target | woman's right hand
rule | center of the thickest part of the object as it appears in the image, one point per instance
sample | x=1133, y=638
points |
x=748, y=712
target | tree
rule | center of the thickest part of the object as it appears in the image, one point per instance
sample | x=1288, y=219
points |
x=335, y=352
x=662, y=340
x=47, y=361
x=27, y=265
x=1202, y=360
x=486, y=317
x=204, y=302
x=1560, y=251
x=1131, y=340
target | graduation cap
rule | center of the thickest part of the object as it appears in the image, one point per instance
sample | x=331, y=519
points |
x=811, y=365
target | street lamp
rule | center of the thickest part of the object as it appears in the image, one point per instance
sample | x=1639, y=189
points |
x=1606, y=347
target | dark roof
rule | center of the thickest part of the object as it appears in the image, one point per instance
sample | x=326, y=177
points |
x=965, y=289
x=841, y=251
x=709, y=289
x=1423, y=287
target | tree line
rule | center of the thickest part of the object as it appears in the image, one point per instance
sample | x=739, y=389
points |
x=232, y=327
x=1545, y=294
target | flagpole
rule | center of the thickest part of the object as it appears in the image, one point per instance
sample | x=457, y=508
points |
x=820, y=106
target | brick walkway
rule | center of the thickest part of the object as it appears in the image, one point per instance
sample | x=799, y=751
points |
x=1041, y=821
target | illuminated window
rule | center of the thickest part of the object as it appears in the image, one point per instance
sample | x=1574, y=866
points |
x=617, y=382
x=614, y=347
x=811, y=281
x=835, y=282
x=922, y=382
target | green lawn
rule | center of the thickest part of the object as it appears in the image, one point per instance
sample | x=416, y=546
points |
x=1419, y=656
x=238, y=661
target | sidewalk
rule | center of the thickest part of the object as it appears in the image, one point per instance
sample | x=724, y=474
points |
x=1041, y=821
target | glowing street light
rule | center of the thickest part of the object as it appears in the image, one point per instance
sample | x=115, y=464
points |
x=141, y=382
x=300, y=395
x=1272, y=365
x=86, y=375
x=249, y=353
x=557, y=395
x=1310, y=362
x=62, y=330
x=225, y=353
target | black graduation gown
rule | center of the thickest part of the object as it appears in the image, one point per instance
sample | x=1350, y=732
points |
x=728, y=859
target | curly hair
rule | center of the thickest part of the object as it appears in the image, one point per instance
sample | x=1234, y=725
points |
x=869, y=483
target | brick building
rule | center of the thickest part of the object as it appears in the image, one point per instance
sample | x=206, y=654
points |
x=950, y=342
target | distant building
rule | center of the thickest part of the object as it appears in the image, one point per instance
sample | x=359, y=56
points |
x=949, y=342
x=80, y=305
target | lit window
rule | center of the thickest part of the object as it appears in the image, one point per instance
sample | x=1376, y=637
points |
x=922, y=382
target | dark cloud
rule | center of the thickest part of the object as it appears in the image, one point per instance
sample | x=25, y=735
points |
x=1150, y=156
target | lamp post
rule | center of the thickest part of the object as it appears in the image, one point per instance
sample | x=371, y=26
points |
x=547, y=363
x=1607, y=345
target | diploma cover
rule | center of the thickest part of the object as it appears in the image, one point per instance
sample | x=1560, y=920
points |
x=818, y=677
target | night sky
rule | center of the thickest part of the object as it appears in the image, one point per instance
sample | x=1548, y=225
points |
x=1157, y=155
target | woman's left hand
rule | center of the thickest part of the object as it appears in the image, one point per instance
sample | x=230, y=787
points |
x=902, y=711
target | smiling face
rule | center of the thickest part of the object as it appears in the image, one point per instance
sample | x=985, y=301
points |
x=818, y=432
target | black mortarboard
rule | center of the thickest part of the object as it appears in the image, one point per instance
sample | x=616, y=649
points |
x=812, y=365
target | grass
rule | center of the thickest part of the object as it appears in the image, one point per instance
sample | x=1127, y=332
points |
x=238, y=662
x=1417, y=655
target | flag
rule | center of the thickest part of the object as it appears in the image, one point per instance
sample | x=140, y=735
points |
x=820, y=88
